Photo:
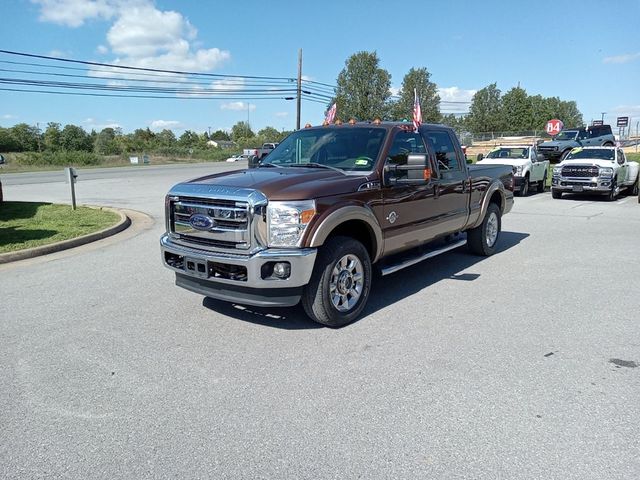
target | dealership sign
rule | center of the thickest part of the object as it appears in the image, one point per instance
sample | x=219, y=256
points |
x=554, y=126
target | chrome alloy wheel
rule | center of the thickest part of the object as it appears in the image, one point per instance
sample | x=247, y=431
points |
x=347, y=282
x=492, y=229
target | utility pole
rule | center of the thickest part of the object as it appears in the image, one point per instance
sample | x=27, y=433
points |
x=299, y=89
x=248, y=122
x=603, y=114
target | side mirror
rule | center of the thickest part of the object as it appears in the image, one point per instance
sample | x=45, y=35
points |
x=479, y=157
x=417, y=168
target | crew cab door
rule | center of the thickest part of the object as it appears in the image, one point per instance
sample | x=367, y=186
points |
x=537, y=166
x=452, y=184
x=623, y=171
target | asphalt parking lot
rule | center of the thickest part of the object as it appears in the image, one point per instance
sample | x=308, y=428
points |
x=520, y=365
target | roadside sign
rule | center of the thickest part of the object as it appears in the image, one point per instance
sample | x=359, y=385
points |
x=622, y=122
x=597, y=123
x=554, y=126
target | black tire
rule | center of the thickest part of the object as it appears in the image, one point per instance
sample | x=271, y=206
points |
x=317, y=300
x=612, y=195
x=565, y=154
x=556, y=194
x=524, y=189
x=607, y=144
x=542, y=183
x=483, y=239
x=633, y=190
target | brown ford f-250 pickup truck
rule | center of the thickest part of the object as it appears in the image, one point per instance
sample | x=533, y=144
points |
x=327, y=204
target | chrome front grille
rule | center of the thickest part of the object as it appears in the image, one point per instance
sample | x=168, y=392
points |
x=224, y=224
x=579, y=171
x=216, y=218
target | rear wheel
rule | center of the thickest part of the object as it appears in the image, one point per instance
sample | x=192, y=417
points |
x=542, y=183
x=556, y=194
x=482, y=240
x=633, y=190
x=340, y=283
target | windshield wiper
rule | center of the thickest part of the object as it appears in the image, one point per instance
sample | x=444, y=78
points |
x=315, y=165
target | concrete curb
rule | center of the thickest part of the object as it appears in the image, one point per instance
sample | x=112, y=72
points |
x=122, y=224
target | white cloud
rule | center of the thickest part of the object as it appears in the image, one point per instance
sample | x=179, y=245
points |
x=73, y=13
x=632, y=111
x=455, y=94
x=230, y=84
x=625, y=58
x=281, y=114
x=97, y=125
x=162, y=124
x=141, y=34
x=8, y=116
x=395, y=91
x=237, y=106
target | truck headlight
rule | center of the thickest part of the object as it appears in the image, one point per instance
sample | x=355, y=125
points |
x=287, y=222
x=557, y=170
x=605, y=172
x=517, y=171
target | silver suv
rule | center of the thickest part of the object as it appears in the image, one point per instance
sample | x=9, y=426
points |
x=566, y=140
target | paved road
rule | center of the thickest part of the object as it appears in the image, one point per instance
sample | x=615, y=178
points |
x=517, y=366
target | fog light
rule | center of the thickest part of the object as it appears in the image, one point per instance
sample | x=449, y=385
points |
x=282, y=270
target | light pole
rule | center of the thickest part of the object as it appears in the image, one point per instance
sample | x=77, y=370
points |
x=603, y=114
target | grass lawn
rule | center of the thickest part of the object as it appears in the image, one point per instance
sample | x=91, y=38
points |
x=29, y=224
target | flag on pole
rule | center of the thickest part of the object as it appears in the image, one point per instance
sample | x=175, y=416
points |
x=417, y=111
x=331, y=114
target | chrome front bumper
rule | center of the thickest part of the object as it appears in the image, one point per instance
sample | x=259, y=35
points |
x=595, y=184
x=249, y=283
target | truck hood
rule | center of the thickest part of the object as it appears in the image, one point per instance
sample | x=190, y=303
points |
x=288, y=183
x=556, y=143
x=588, y=161
x=514, y=162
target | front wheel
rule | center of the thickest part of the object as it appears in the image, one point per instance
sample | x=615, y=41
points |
x=556, y=194
x=542, y=183
x=565, y=154
x=482, y=240
x=524, y=189
x=613, y=193
x=340, y=284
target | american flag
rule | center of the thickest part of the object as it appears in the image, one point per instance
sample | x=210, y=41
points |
x=417, y=111
x=331, y=114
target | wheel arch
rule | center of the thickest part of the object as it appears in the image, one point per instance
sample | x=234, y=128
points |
x=351, y=221
x=495, y=194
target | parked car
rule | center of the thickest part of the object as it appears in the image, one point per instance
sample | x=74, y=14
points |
x=263, y=151
x=528, y=167
x=238, y=157
x=308, y=224
x=603, y=170
x=566, y=140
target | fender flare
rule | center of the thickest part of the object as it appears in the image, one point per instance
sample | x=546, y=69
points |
x=344, y=214
x=496, y=186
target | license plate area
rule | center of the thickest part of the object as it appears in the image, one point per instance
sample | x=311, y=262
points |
x=578, y=188
x=196, y=267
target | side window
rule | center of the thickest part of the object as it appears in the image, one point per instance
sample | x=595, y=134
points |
x=404, y=143
x=621, y=158
x=534, y=155
x=583, y=135
x=445, y=151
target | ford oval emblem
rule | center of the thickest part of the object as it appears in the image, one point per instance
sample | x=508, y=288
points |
x=200, y=222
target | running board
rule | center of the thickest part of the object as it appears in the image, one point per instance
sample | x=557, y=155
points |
x=407, y=262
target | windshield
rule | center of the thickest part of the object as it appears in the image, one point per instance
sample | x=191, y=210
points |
x=507, y=152
x=345, y=148
x=567, y=135
x=592, y=154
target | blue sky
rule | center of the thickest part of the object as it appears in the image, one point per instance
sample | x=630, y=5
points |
x=587, y=51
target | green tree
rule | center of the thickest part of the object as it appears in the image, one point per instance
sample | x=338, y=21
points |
x=417, y=79
x=106, y=144
x=188, y=139
x=220, y=135
x=363, y=88
x=26, y=137
x=52, y=137
x=166, y=138
x=241, y=130
x=270, y=134
x=73, y=137
x=517, y=112
x=7, y=141
x=485, y=113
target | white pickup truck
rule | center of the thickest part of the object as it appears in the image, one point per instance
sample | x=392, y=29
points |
x=529, y=167
x=603, y=170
